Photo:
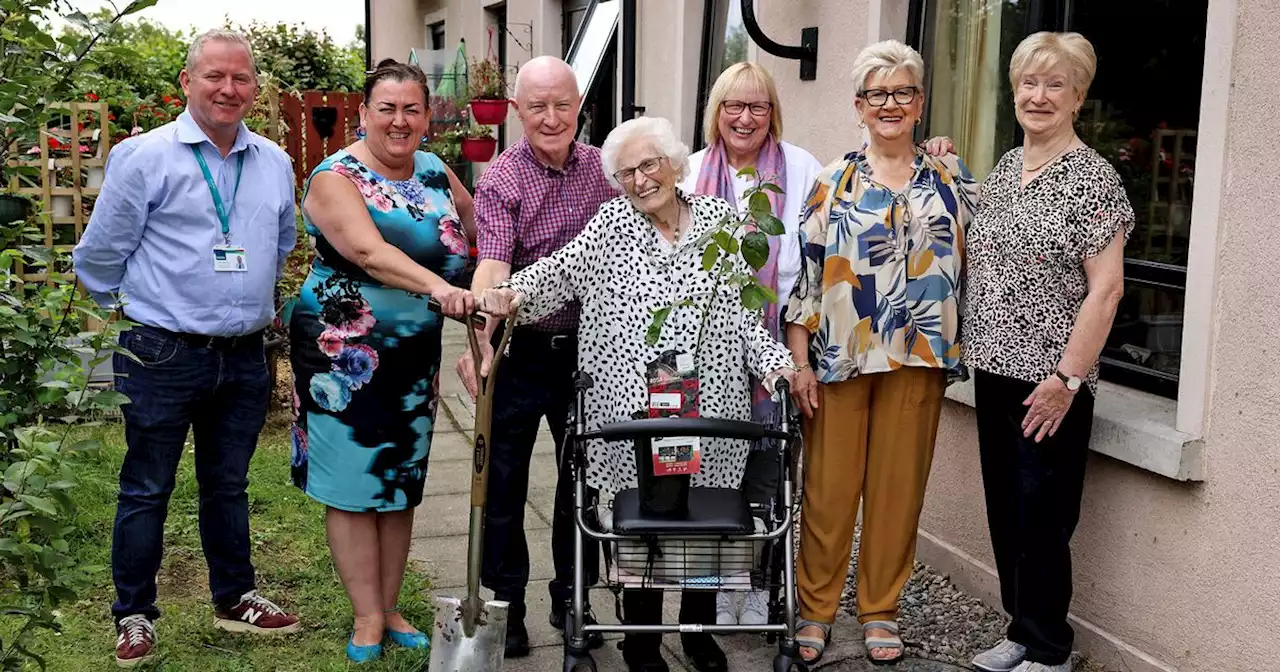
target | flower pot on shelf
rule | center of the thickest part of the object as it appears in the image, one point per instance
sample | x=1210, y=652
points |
x=489, y=111
x=478, y=150
x=94, y=177
x=13, y=208
x=62, y=206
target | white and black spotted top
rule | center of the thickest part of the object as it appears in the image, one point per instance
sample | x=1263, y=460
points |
x=1025, y=269
x=620, y=271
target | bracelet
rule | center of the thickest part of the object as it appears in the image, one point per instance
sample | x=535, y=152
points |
x=802, y=367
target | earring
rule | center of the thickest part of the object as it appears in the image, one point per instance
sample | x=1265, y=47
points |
x=426, y=139
x=360, y=132
x=862, y=124
x=918, y=120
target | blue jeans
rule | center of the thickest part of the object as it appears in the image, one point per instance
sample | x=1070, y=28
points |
x=219, y=390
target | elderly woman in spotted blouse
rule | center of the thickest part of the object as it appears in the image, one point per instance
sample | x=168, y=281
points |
x=639, y=254
x=1045, y=274
x=873, y=322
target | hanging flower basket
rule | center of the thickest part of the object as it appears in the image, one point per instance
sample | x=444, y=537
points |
x=489, y=111
x=479, y=150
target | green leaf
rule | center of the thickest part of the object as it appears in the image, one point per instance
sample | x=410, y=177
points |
x=8, y=545
x=747, y=171
x=655, y=327
x=137, y=6
x=755, y=249
x=709, y=257
x=769, y=186
x=753, y=298
x=58, y=384
x=727, y=242
x=770, y=225
x=39, y=504
x=109, y=399
x=18, y=473
x=759, y=205
x=4, y=118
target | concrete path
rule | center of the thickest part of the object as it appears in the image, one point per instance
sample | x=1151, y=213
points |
x=440, y=545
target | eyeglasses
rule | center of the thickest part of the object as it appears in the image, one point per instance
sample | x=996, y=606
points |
x=648, y=167
x=880, y=97
x=735, y=107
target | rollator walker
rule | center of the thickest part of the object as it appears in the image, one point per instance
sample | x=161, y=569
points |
x=717, y=542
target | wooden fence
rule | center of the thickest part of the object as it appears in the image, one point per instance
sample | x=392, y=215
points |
x=319, y=123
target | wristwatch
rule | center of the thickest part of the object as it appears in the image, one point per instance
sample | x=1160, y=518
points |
x=1072, y=382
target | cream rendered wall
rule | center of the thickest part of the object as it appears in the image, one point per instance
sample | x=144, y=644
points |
x=395, y=27
x=668, y=51
x=817, y=115
x=1168, y=575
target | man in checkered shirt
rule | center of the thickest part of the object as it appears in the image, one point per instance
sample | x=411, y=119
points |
x=532, y=200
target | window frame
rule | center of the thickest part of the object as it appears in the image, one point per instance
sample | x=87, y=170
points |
x=1055, y=15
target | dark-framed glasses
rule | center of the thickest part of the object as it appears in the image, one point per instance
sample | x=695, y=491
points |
x=648, y=167
x=759, y=109
x=880, y=97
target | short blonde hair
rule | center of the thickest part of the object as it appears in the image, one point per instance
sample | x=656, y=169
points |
x=888, y=57
x=655, y=129
x=1044, y=50
x=736, y=75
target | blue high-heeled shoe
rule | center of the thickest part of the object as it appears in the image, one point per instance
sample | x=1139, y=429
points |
x=410, y=640
x=362, y=654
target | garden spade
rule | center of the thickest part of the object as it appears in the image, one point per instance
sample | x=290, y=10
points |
x=470, y=633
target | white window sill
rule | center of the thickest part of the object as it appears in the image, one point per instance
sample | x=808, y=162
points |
x=1133, y=427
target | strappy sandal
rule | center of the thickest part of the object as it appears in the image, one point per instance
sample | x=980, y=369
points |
x=893, y=641
x=811, y=642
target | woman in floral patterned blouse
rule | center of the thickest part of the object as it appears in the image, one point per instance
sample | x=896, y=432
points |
x=875, y=314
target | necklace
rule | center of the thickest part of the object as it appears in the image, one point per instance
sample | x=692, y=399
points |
x=1025, y=169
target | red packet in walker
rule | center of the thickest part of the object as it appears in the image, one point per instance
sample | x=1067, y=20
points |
x=673, y=391
x=673, y=386
x=676, y=456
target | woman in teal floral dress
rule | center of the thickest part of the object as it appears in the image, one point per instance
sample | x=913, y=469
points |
x=388, y=223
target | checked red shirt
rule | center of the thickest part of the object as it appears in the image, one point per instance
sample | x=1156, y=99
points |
x=525, y=210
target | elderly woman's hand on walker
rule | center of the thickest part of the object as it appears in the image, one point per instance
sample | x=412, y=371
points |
x=500, y=302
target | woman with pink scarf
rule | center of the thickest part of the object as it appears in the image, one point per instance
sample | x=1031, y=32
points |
x=743, y=129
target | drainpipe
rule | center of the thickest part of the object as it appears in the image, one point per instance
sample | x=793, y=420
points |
x=704, y=71
x=629, y=108
x=368, y=35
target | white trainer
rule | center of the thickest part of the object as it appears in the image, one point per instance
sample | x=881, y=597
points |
x=755, y=608
x=1003, y=657
x=726, y=608
x=1028, y=666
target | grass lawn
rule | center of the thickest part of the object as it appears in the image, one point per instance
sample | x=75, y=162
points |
x=289, y=552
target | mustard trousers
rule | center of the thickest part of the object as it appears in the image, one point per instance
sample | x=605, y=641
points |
x=871, y=440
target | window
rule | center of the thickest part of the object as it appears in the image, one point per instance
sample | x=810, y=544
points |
x=724, y=42
x=1142, y=113
x=591, y=52
x=437, y=35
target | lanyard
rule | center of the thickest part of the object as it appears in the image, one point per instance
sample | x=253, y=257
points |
x=223, y=217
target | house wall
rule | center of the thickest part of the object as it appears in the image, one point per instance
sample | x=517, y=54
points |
x=1168, y=574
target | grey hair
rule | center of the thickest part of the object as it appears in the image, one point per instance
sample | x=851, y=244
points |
x=656, y=129
x=220, y=35
x=887, y=57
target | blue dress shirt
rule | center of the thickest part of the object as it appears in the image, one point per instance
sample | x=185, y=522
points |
x=149, y=244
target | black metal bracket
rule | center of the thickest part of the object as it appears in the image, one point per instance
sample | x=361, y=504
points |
x=806, y=53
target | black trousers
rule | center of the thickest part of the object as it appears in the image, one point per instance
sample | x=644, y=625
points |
x=534, y=381
x=1033, y=493
x=644, y=607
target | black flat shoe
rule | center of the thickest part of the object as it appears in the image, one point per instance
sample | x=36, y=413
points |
x=517, y=639
x=704, y=652
x=643, y=653
x=559, y=618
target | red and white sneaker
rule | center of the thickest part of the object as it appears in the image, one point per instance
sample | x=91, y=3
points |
x=135, y=639
x=256, y=614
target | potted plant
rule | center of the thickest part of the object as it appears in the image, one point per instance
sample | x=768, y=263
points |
x=487, y=84
x=478, y=143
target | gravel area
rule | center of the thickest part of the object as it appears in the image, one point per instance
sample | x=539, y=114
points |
x=938, y=620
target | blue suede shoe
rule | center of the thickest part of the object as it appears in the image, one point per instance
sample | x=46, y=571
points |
x=362, y=654
x=410, y=640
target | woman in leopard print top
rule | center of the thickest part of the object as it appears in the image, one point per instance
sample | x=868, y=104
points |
x=1045, y=273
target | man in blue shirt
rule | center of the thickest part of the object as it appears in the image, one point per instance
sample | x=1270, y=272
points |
x=188, y=238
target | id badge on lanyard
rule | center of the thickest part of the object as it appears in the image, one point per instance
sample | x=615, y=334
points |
x=673, y=391
x=227, y=258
